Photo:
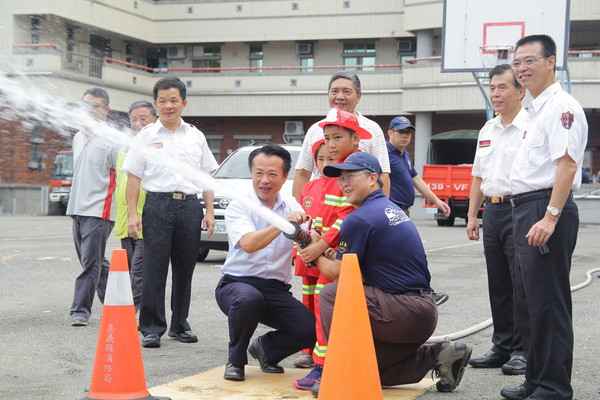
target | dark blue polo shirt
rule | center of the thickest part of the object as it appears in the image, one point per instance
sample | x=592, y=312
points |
x=388, y=246
x=402, y=172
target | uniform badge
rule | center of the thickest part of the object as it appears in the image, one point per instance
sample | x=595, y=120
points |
x=307, y=202
x=158, y=145
x=484, y=143
x=567, y=120
x=342, y=247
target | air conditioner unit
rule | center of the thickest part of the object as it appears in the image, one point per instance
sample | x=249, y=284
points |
x=304, y=48
x=405, y=46
x=293, y=132
x=176, y=51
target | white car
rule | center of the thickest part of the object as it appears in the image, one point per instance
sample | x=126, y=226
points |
x=235, y=173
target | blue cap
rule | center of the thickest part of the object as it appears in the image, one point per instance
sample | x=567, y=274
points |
x=355, y=161
x=401, y=123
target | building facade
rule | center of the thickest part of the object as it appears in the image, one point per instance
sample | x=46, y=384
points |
x=258, y=70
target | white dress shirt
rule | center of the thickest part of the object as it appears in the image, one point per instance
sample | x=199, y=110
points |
x=557, y=125
x=272, y=262
x=164, y=158
x=496, y=150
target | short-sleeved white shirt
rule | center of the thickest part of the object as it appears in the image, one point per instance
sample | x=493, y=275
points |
x=272, y=262
x=557, y=125
x=496, y=150
x=375, y=146
x=173, y=155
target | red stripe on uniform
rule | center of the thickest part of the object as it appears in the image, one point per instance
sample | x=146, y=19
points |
x=109, y=195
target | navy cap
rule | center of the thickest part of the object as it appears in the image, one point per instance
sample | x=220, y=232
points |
x=401, y=123
x=355, y=161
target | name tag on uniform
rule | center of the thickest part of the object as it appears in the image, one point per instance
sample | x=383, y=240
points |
x=484, y=143
x=158, y=145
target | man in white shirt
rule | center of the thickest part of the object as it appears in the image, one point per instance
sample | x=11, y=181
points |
x=255, y=284
x=497, y=145
x=173, y=216
x=344, y=92
x=546, y=169
x=92, y=207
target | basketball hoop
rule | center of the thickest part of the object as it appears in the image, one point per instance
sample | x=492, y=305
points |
x=496, y=54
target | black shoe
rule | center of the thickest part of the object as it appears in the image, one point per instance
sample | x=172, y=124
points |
x=440, y=298
x=256, y=350
x=234, y=373
x=489, y=360
x=184, y=337
x=514, y=393
x=151, y=340
x=515, y=366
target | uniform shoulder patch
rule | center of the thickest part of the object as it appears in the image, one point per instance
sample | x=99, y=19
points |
x=567, y=119
x=395, y=216
x=485, y=143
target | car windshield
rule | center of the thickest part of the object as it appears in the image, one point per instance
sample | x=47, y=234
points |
x=236, y=165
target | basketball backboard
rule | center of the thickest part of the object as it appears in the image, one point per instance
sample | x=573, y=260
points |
x=479, y=34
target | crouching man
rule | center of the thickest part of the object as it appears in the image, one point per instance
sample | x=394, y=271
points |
x=254, y=287
x=401, y=306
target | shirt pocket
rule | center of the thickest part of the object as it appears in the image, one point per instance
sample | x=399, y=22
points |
x=535, y=146
x=484, y=152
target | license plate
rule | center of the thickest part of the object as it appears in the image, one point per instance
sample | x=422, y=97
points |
x=220, y=227
x=431, y=210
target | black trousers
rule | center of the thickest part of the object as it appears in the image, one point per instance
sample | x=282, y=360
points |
x=171, y=230
x=499, y=249
x=543, y=296
x=247, y=301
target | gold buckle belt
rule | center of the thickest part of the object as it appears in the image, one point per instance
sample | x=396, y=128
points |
x=497, y=199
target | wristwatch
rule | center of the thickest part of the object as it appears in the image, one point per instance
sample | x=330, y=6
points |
x=553, y=211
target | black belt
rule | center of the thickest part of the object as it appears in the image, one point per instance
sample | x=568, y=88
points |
x=416, y=292
x=518, y=199
x=402, y=206
x=175, y=195
x=496, y=199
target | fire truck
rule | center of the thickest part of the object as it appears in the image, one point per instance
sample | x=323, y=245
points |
x=451, y=156
x=60, y=182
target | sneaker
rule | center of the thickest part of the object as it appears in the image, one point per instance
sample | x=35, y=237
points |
x=315, y=389
x=79, y=320
x=450, y=365
x=304, y=361
x=440, y=298
x=309, y=380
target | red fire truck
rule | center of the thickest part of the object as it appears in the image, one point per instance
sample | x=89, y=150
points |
x=449, y=174
x=60, y=182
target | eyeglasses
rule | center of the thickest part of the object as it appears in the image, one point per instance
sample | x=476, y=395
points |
x=350, y=177
x=527, y=61
x=93, y=106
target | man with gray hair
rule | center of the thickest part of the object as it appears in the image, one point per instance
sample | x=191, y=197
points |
x=141, y=113
x=91, y=206
x=344, y=92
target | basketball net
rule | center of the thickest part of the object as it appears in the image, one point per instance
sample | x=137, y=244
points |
x=496, y=54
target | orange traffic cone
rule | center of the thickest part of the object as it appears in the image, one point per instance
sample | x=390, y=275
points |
x=345, y=376
x=118, y=369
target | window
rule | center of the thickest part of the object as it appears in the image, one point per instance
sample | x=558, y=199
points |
x=307, y=62
x=359, y=53
x=214, y=144
x=245, y=140
x=256, y=56
x=207, y=56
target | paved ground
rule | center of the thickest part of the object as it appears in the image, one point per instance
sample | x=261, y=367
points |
x=43, y=357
